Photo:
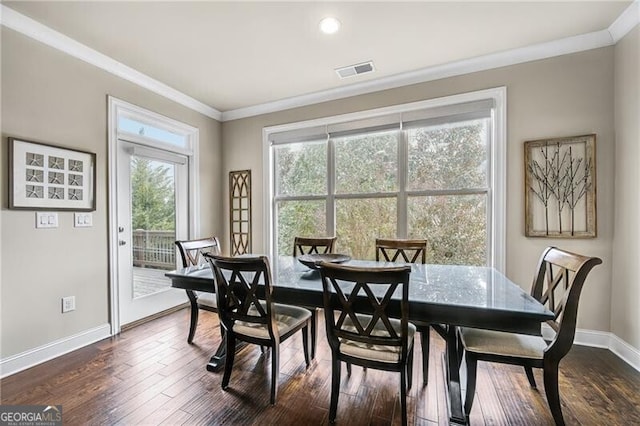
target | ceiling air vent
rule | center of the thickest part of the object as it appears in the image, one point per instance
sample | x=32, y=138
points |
x=357, y=69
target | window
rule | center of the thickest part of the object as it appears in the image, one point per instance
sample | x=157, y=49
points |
x=433, y=170
x=132, y=126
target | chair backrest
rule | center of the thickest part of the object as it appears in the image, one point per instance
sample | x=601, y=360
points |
x=239, y=283
x=349, y=290
x=303, y=245
x=408, y=250
x=557, y=285
x=191, y=251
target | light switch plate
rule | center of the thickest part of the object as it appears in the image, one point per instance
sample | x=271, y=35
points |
x=68, y=304
x=46, y=220
x=82, y=220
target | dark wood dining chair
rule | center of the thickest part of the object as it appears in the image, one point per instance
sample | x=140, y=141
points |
x=247, y=318
x=410, y=251
x=359, y=324
x=305, y=245
x=191, y=252
x=398, y=250
x=558, y=283
x=310, y=245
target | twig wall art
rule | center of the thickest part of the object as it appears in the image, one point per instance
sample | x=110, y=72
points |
x=560, y=187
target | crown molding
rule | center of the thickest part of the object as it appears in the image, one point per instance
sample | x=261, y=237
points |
x=37, y=31
x=535, y=52
x=622, y=25
x=625, y=22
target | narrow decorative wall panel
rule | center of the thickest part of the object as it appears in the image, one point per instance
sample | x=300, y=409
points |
x=240, y=211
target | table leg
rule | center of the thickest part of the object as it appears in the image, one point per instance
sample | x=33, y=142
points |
x=453, y=375
x=216, y=363
x=193, y=300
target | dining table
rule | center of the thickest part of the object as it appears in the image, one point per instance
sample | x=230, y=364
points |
x=448, y=295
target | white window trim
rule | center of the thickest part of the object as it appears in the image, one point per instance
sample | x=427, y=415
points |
x=498, y=157
x=117, y=108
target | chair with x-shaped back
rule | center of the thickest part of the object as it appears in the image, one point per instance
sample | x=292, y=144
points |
x=360, y=329
x=311, y=245
x=191, y=253
x=305, y=245
x=410, y=251
x=558, y=283
x=239, y=281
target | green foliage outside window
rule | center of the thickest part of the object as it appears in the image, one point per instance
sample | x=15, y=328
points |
x=445, y=158
x=153, y=195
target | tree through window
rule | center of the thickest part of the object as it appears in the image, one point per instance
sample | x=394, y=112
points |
x=426, y=176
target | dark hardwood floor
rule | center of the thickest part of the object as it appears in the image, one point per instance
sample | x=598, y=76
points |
x=150, y=375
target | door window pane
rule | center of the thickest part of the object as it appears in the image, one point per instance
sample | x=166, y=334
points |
x=359, y=222
x=301, y=168
x=299, y=218
x=153, y=224
x=450, y=156
x=367, y=163
x=454, y=225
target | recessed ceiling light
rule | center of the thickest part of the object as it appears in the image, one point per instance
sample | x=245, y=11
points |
x=329, y=25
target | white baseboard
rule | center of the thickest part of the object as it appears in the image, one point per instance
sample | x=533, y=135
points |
x=32, y=357
x=605, y=340
x=592, y=338
x=625, y=351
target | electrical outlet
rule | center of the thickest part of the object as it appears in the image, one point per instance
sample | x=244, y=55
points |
x=68, y=304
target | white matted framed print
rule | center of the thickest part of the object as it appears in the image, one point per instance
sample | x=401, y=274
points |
x=48, y=177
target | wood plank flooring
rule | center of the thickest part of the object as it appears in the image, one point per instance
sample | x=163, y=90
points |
x=149, y=375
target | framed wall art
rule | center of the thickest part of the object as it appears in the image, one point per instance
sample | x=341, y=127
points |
x=560, y=187
x=240, y=211
x=48, y=177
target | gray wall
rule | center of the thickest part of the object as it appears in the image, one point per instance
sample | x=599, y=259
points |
x=51, y=97
x=625, y=295
x=564, y=96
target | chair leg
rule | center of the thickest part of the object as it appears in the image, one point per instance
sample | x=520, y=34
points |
x=424, y=340
x=305, y=344
x=335, y=388
x=550, y=375
x=472, y=367
x=314, y=331
x=409, y=368
x=193, y=300
x=275, y=371
x=403, y=396
x=532, y=379
x=228, y=362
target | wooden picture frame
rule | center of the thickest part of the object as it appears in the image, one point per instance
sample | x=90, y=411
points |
x=560, y=187
x=49, y=177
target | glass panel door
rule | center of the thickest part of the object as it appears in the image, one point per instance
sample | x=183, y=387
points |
x=152, y=215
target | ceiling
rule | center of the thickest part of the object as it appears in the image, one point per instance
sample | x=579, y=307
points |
x=235, y=55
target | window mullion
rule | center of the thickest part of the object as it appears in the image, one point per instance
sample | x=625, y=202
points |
x=403, y=158
x=489, y=193
x=331, y=187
